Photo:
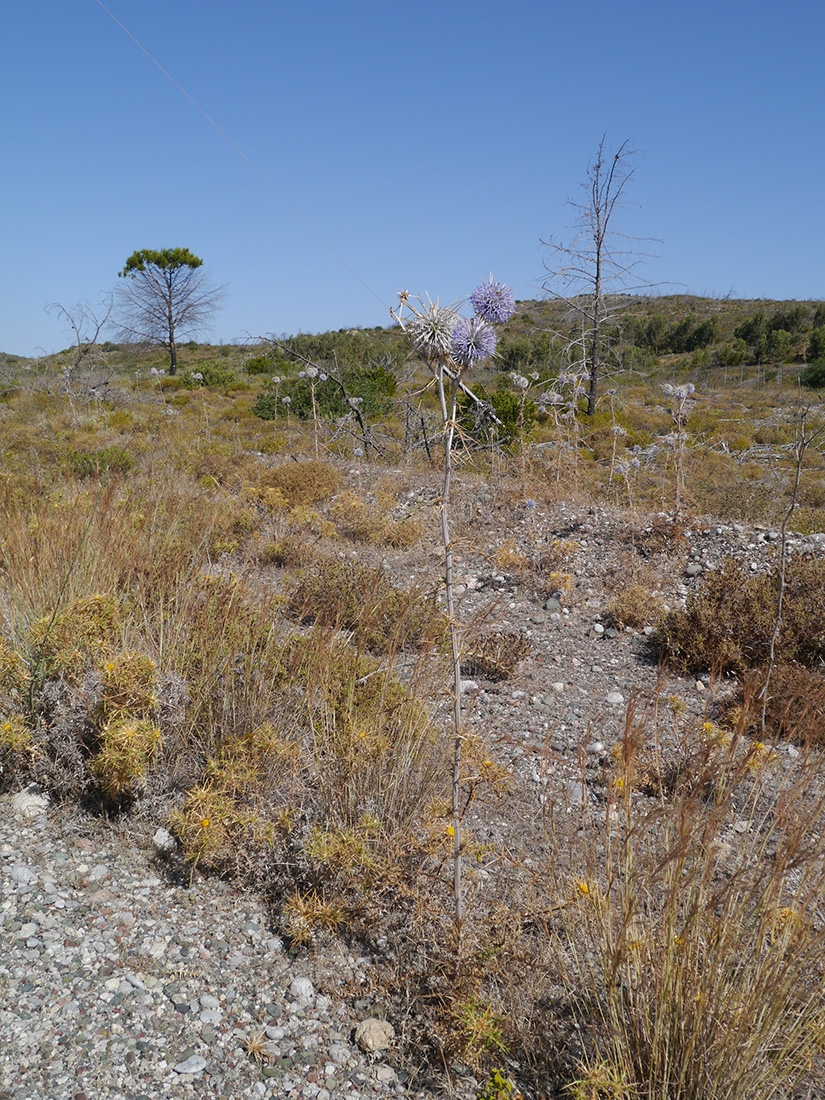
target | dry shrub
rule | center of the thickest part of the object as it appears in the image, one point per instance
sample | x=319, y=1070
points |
x=361, y=522
x=302, y=482
x=494, y=654
x=795, y=709
x=728, y=623
x=662, y=536
x=349, y=749
x=67, y=640
x=288, y=552
x=636, y=606
x=510, y=557
x=350, y=596
x=126, y=750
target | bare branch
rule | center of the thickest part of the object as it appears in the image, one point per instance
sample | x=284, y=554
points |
x=588, y=272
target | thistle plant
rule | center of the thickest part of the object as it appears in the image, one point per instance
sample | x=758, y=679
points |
x=314, y=376
x=563, y=401
x=679, y=416
x=452, y=344
x=523, y=385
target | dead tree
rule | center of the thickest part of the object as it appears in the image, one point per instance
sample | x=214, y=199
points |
x=590, y=270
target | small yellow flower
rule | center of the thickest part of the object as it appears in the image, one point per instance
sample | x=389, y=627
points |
x=205, y=823
x=451, y=830
x=582, y=887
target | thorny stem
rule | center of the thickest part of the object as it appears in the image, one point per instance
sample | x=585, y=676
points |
x=449, y=414
x=448, y=404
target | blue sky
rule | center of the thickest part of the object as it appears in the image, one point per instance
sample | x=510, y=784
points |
x=428, y=144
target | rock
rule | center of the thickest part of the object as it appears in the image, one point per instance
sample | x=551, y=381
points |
x=339, y=1054
x=29, y=803
x=196, y=1064
x=22, y=874
x=164, y=842
x=576, y=793
x=468, y=685
x=693, y=569
x=372, y=1035
x=302, y=989
x=598, y=628
x=552, y=604
x=615, y=698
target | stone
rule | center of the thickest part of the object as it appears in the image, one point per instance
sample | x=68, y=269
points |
x=29, y=803
x=302, y=989
x=372, y=1035
x=615, y=698
x=576, y=793
x=22, y=874
x=164, y=842
x=693, y=569
x=194, y=1065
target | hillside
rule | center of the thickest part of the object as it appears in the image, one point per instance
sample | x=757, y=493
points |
x=225, y=616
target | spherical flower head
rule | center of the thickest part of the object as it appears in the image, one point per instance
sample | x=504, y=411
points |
x=472, y=341
x=431, y=330
x=493, y=302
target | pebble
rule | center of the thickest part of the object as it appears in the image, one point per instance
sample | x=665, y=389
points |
x=615, y=698
x=122, y=983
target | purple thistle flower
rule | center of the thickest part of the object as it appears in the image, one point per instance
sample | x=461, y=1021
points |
x=472, y=341
x=493, y=302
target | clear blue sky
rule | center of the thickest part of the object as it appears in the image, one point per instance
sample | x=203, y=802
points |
x=429, y=144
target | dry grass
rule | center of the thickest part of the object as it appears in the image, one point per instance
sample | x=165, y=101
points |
x=182, y=626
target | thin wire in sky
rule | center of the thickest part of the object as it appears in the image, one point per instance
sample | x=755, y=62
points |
x=241, y=153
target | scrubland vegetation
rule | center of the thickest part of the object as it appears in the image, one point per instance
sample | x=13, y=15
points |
x=209, y=623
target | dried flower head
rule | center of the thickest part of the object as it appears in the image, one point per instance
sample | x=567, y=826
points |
x=472, y=341
x=431, y=330
x=493, y=302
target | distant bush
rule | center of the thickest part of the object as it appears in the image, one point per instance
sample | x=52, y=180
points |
x=813, y=376
x=373, y=386
x=476, y=421
x=211, y=375
x=261, y=364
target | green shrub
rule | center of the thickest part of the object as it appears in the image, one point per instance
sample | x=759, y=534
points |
x=112, y=459
x=475, y=419
x=261, y=364
x=813, y=376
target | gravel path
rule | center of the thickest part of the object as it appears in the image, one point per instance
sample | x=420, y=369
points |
x=114, y=983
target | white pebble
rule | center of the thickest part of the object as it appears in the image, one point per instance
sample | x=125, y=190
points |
x=302, y=989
